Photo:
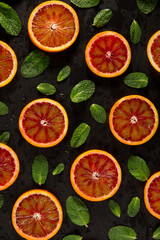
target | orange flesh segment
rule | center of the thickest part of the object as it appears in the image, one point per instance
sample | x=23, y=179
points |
x=6, y=64
x=37, y=215
x=155, y=50
x=53, y=25
x=108, y=54
x=133, y=119
x=96, y=175
x=43, y=122
x=7, y=166
x=154, y=195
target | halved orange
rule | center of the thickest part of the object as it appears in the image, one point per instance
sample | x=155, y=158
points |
x=153, y=51
x=9, y=166
x=37, y=214
x=43, y=122
x=8, y=64
x=95, y=175
x=108, y=54
x=53, y=26
x=152, y=195
x=133, y=120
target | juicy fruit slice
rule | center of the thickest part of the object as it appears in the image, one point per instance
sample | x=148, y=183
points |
x=152, y=195
x=8, y=64
x=37, y=214
x=43, y=123
x=9, y=166
x=108, y=54
x=153, y=51
x=95, y=175
x=133, y=120
x=53, y=26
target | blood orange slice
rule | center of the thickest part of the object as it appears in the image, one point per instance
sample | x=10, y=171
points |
x=43, y=123
x=37, y=214
x=8, y=64
x=108, y=54
x=53, y=26
x=152, y=195
x=95, y=175
x=133, y=120
x=153, y=51
x=9, y=166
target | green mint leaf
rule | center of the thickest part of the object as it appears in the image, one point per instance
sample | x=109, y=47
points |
x=34, y=64
x=135, y=32
x=58, y=169
x=9, y=19
x=115, y=208
x=80, y=135
x=40, y=169
x=85, y=3
x=122, y=233
x=82, y=91
x=98, y=113
x=138, y=168
x=72, y=237
x=156, y=234
x=46, y=88
x=77, y=211
x=4, y=137
x=136, y=80
x=102, y=18
x=64, y=73
x=146, y=6
x=3, y=108
x=1, y=200
x=134, y=207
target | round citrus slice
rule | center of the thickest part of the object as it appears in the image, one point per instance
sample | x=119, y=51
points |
x=95, y=175
x=153, y=51
x=9, y=166
x=133, y=120
x=37, y=214
x=43, y=123
x=152, y=195
x=108, y=54
x=53, y=26
x=8, y=64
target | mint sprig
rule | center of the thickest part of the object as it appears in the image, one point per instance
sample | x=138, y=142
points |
x=80, y=135
x=40, y=169
x=85, y=3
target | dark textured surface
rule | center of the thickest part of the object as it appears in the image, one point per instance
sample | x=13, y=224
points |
x=21, y=91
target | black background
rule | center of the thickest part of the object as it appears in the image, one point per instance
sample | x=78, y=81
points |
x=21, y=91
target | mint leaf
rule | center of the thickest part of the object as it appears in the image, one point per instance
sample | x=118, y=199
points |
x=64, y=73
x=146, y=6
x=133, y=207
x=77, y=211
x=3, y=108
x=80, y=135
x=58, y=169
x=4, y=137
x=82, y=91
x=138, y=168
x=34, y=64
x=135, y=32
x=115, y=208
x=72, y=237
x=102, y=18
x=122, y=233
x=46, y=88
x=156, y=234
x=136, y=80
x=40, y=169
x=98, y=113
x=85, y=3
x=9, y=19
x=1, y=200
